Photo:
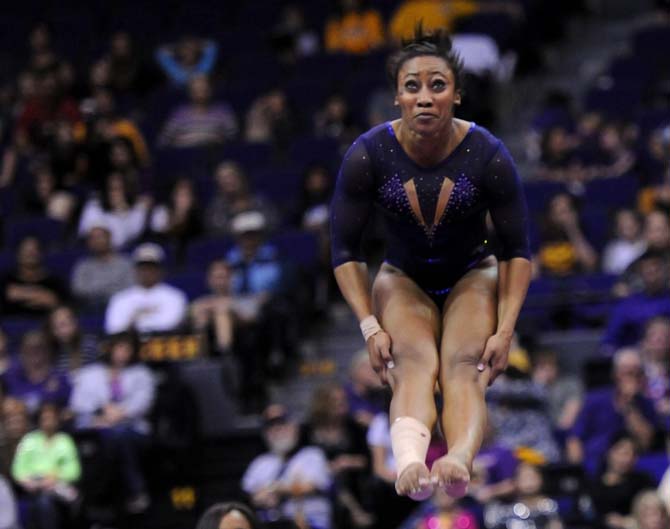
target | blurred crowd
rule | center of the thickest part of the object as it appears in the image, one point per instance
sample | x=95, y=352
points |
x=181, y=187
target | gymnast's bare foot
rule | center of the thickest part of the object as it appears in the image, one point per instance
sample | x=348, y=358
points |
x=451, y=473
x=415, y=482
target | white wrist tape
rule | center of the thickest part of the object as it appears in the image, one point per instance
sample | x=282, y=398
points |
x=370, y=326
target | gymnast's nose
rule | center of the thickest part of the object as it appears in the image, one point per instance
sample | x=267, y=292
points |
x=425, y=99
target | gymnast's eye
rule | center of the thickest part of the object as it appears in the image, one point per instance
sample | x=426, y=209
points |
x=439, y=85
x=411, y=86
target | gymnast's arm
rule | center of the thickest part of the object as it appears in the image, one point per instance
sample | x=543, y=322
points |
x=350, y=211
x=509, y=214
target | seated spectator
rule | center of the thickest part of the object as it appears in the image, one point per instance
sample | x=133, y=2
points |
x=564, y=392
x=655, y=353
x=201, y=122
x=270, y=120
x=653, y=172
x=42, y=55
x=14, y=424
x=627, y=244
x=33, y=378
x=46, y=199
x=119, y=209
x=656, y=235
x=613, y=157
x=8, y=509
x=285, y=483
x=105, y=272
x=336, y=121
x=528, y=505
x=611, y=410
x=114, y=398
x=441, y=511
x=628, y=318
x=558, y=161
x=30, y=290
x=72, y=349
x=291, y=36
x=46, y=466
x=180, y=220
x=617, y=483
x=343, y=441
x=129, y=72
x=519, y=411
x=354, y=29
x=150, y=305
x=230, y=515
x=365, y=393
x=233, y=196
x=188, y=58
x=214, y=313
x=564, y=249
x=649, y=512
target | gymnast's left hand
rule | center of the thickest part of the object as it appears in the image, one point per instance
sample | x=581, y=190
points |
x=381, y=360
x=495, y=355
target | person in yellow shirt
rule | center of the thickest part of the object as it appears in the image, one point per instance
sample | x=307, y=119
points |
x=46, y=465
x=356, y=30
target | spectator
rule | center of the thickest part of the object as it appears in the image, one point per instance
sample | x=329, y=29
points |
x=433, y=14
x=119, y=209
x=128, y=71
x=69, y=161
x=519, y=411
x=529, y=507
x=46, y=466
x=564, y=393
x=33, y=378
x=441, y=511
x=343, y=441
x=564, y=249
x=655, y=353
x=201, y=122
x=381, y=108
x=354, y=29
x=231, y=515
x=288, y=482
x=114, y=398
x=215, y=312
x=627, y=245
x=123, y=158
x=617, y=483
x=609, y=411
x=14, y=425
x=664, y=489
x=270, y=120
x=291, y=37
x=233, y=196
x=105, y=272
x=649, y=512
x=179, y=221
x=657, y=231
x=365, y=393
x=42, y=56
x=187, y=59
x=627, y=320
x=8, y=509
x=150, y=305
x=72, y=348
x=336, y=121
x=30, y=290
x=45, y=199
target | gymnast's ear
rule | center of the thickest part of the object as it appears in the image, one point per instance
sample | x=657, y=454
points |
x=395, y=102
x=457, y=98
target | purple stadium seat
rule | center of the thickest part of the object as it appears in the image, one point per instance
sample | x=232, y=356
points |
x=50, y=232
x=618, y=101
x=62, y=263
x=299, y=247
x=203, y=251
x=612, y=192
x=308, y=149
x=280, y=186
x=249, y=155
x=191, y=282
x=539, y=192
x=653, y=464
x=595, y=222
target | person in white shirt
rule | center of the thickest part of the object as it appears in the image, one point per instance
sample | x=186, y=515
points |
x=150, y=305
x=627, y=244
x=288, y=482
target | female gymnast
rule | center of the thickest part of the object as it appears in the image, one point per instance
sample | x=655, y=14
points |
x=442, y=307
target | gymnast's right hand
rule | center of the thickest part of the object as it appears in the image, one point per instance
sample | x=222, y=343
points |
x=379, y=349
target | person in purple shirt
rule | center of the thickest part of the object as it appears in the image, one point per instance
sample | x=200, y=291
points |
x=33, y=379
x=611, y=410
x=628, y=319
x=446, y=306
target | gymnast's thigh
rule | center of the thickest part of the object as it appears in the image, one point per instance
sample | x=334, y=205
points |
x=410, y=318
x=469, y=319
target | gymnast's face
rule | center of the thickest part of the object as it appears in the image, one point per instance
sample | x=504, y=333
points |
x=426, y=93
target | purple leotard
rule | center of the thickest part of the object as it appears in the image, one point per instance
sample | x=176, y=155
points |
x=436, y=237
